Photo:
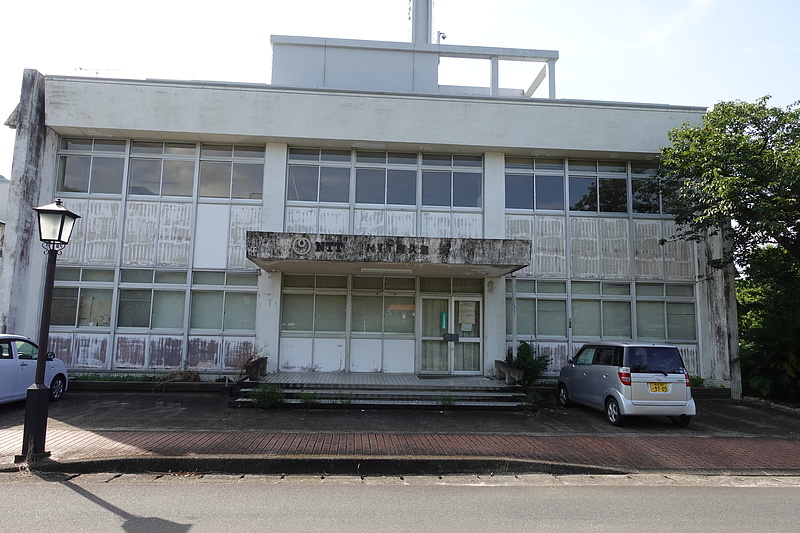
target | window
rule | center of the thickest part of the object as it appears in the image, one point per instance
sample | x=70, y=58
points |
x=453, y=186
x=526, y=189
x=231, y=171
x=158, y=168
x=328, y=180
x=665, y=312
x=147, y=308
x=91, y=166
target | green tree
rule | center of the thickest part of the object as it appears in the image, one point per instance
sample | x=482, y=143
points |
x=737, y=173
x=769, y=324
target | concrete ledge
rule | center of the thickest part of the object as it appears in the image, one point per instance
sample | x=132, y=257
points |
x=148, y=386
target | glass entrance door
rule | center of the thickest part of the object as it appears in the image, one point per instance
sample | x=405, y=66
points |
x=451, y=336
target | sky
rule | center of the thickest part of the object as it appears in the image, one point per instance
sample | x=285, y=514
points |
x=680, y=52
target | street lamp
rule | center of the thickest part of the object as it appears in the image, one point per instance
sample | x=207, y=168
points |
x=55, y=228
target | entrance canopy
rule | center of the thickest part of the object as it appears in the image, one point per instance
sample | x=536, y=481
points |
x=303, y=253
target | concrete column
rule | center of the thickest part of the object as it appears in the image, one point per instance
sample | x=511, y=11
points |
x=22, y=257
x=551, y=78
x=274, y=187
x=421, y=21
x=494, y=195
x=494, y=327
x=268, y=317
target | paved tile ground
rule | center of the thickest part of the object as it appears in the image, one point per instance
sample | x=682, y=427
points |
x=764, y=441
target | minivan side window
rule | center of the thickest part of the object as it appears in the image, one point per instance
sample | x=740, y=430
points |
x=585, y=356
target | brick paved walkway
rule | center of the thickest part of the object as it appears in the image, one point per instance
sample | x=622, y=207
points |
x=623, y=452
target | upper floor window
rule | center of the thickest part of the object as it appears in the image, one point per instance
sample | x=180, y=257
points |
x=452, y=180
x=165, y=169
x=231, y=171
x=534, y=184
x=91, y=166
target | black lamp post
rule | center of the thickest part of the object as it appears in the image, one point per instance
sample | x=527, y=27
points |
x=55, y=228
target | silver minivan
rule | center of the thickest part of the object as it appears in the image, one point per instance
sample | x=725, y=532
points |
x=628, y=378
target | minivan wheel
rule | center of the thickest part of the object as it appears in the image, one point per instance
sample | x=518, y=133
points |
x=681, y=421
x=563, y=396
x=612, y=412
x=57, y=388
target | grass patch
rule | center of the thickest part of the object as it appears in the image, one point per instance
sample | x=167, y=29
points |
x=267, y=396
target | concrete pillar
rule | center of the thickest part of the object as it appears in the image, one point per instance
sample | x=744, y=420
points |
x=274, y=187
x=22, y=257
x=494, y=327
x=494, y=195
x=421, y=21
x=268, y=317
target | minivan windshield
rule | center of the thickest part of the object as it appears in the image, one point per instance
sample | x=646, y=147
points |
x=661, y=359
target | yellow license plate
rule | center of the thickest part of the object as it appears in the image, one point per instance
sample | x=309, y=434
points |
x=659, y=387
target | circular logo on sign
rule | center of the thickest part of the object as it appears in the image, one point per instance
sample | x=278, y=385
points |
x=301, y=245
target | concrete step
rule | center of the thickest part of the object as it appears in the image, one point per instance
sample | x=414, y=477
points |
x=386, y=403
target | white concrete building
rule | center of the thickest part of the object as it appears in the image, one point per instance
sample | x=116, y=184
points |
x=352, y=216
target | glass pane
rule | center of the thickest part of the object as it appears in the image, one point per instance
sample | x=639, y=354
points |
x=168, y=307
x=527, y=286
x=304, y=154
x=178, y=179
x=434, y=285
x=67, y=274
x=336, y=155
x=209, y=278
x=401, y=187
x=290, y=280
x=370, y=157
x=582, y=194
x=645, y=198
x=144, y=176
x=650, y=289
x=586, y=318
x=334, y=184
x=681, y=321
x=585, y=287
x=216, y=150
x=107, y=145
x=474, y=161
x=240, y=311
x=519, y=163
x=256, y=152
x=398, y=314
x=74, y=175
x=248, y=180
x=616, y=288
x=643, y=167
x=680, y=290
x=552, y=318
x=526, y=317
x=91, y=274
x=367, y=313
x=434, y=317
x=65, y=304
x=136, y=276
x=171, y=277
x=467, y=285
x=215, y=179
x=650, y=320
x=577, y=165
x=434, y=356
x=330, y=312
x=616, y=320
x=245, y=279
x=76, y=144
x=612, y=166
x=297, y=312
x=400, y=284
x=550, y=192
x=365, y=283
x=188, y=149
x=107, y=175
x=303, y=183
x=206, y=312
x=437, y=159
x=466, y=357
x=370, y=186
x=331, y=282
x=436, y=188
x=549, y=164
x=613, y=195
x=467, y=189
x=145, y=147
x=552, y=287
x=400, y=158
x=134, y=309
x=519, y=191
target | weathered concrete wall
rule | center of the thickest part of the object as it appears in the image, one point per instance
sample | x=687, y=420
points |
x=21, y=241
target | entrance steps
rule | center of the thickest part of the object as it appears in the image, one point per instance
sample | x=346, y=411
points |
x=386, y=392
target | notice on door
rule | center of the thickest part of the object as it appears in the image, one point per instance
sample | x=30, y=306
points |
x=466, y=315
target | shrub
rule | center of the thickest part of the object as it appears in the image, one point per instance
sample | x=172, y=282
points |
x=527, y=361
x=267, y=396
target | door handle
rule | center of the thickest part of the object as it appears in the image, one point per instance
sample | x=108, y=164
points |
x=23, y=364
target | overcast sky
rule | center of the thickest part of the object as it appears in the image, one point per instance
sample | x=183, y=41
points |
x=693, y=52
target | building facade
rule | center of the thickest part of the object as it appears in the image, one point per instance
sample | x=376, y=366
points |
x=353, y=216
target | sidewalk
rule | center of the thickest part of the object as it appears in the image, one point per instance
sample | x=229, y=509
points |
x=192, y=433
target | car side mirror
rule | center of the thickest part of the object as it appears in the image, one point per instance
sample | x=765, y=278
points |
x=51, y=356
x=570, y=361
